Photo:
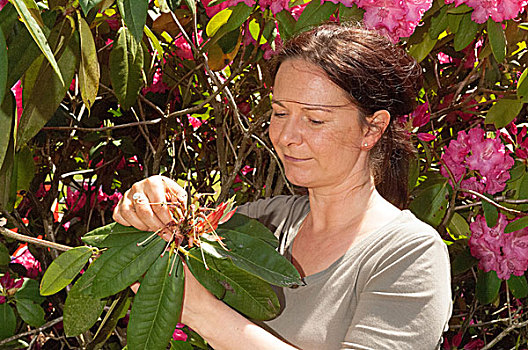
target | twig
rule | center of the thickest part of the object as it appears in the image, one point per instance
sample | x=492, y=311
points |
x=497, y=199
x=504, y=333
x=33, y=240
x=492, y=202
x=36, y=330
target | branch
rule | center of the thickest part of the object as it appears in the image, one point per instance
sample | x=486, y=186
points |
x=492, y=202
x=505, y=333
x=34, y=331
x=33, y=240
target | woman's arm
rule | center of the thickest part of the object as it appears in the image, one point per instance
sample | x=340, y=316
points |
x=143, y=207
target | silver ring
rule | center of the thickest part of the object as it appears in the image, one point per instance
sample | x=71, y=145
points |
x=139, y=197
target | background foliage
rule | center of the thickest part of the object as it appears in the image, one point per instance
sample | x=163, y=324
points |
x=98, y=94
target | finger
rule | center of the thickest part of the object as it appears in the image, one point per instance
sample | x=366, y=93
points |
x=118, y=218
x=140, y=212
x=160, y=191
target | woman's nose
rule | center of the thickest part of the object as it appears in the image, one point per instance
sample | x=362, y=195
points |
x=291, y=133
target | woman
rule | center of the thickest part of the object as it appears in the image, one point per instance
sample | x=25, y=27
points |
x=376, y=277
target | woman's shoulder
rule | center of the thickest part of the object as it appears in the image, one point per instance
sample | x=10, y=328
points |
x=282, y=205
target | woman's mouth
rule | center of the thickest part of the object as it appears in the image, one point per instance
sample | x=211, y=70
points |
x=295, y=159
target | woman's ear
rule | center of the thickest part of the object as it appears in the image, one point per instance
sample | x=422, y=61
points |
x=379, y=121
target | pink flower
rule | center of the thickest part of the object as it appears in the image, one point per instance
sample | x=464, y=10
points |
x=2, y=4
x=8, y=286
x=178, y=334
x=498, y=10
x=24, y=257
x=487, y=157
x=394, y=18
x=444, y=58
x=275, y=6
x=17, y=91
x=75, y=200
x=213, y=10
x=195, y=122
x=421, y=115
x=475, y=344
x=157, y=86
x=296, y=11
x=505, y=253
x=426, y=137
x=183, y=48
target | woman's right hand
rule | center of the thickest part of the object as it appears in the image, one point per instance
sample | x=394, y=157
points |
x=144, y=205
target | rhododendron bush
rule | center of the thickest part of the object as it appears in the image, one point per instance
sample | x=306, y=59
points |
x=98, y=94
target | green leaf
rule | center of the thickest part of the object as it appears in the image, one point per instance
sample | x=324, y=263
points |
x=155, y=43
x=463, y=262
x=237, y=288
x=157, y=305
x=7, y=321
x=518, y=286
x=30, y=312
x=439, y=23
x=82, y=309
x=87, y=5
x=3, y=68
x=286, y=24
x=488, y=285
x=48, y=92
x=490, y=213
x=503, y=112
x=467, y=30
x=422, y=49
x=430, y=204
x=6, y=174
x=516, y=225
x=180, y=345
x=89, y=66
x=461, y=9
x=134, y=13
x=113, y=235
x=215, y=2
x=8, y=18
x=5, y=257
x=254, y=30
x=497, y=40
x=251, y=227
x=458, y=226
x=127, y=266
x=217, y=21
x=314, y=14
x=64, y=269
x=126, y=64
x=30, y=15
x=30, y=291
x=227, y=22
x=350, y=14
x=24, y=169
x=258, y=258
x=522, y=86
x=7, y=115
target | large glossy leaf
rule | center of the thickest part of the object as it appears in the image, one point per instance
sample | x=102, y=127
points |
x=157, y=305
x=286, y=24
x=497, y=40
x=8, y=18
x=30, y=15
x=64, y=269
x=134, y=13
x=490, y=213
x=516, y=225
x=7, y=321
x=3, y=68
x=430, y=204
x=522, y=86
x=488, y=285
x=518, y=286
x=7, y=115
x=258, y=258
x=5, y=258
x=314, y=14
x=228, y=20
x=113, y=235
x=48, y=92
x=237, y=288
x=467, y=30
x=503, y=112
x=87, y=5
x=458, y=226
x=6, y=173
x=89, y=65
x=126, y=63
x=463, y=261
x=31, y=312
x=82, y=309
x=251, y=227
x=127, y=266
x=420, y=50
x=30, y=291
x=439, y=23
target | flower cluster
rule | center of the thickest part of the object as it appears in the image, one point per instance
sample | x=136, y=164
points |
x=486, y=158
x=75, y=200
x=24, y=257
x=498, y=10
x=8, y=286
x=505, y=253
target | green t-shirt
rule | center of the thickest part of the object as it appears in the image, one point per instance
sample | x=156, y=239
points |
x=390, y=290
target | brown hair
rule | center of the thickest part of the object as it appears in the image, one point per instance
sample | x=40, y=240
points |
x=376, y=75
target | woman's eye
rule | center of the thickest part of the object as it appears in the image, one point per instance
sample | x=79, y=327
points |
x=316, y=122
x=279, y=114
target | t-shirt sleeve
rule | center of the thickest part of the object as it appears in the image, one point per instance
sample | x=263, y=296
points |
x=405, y=299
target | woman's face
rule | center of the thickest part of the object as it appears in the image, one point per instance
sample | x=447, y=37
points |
x=315, y=129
